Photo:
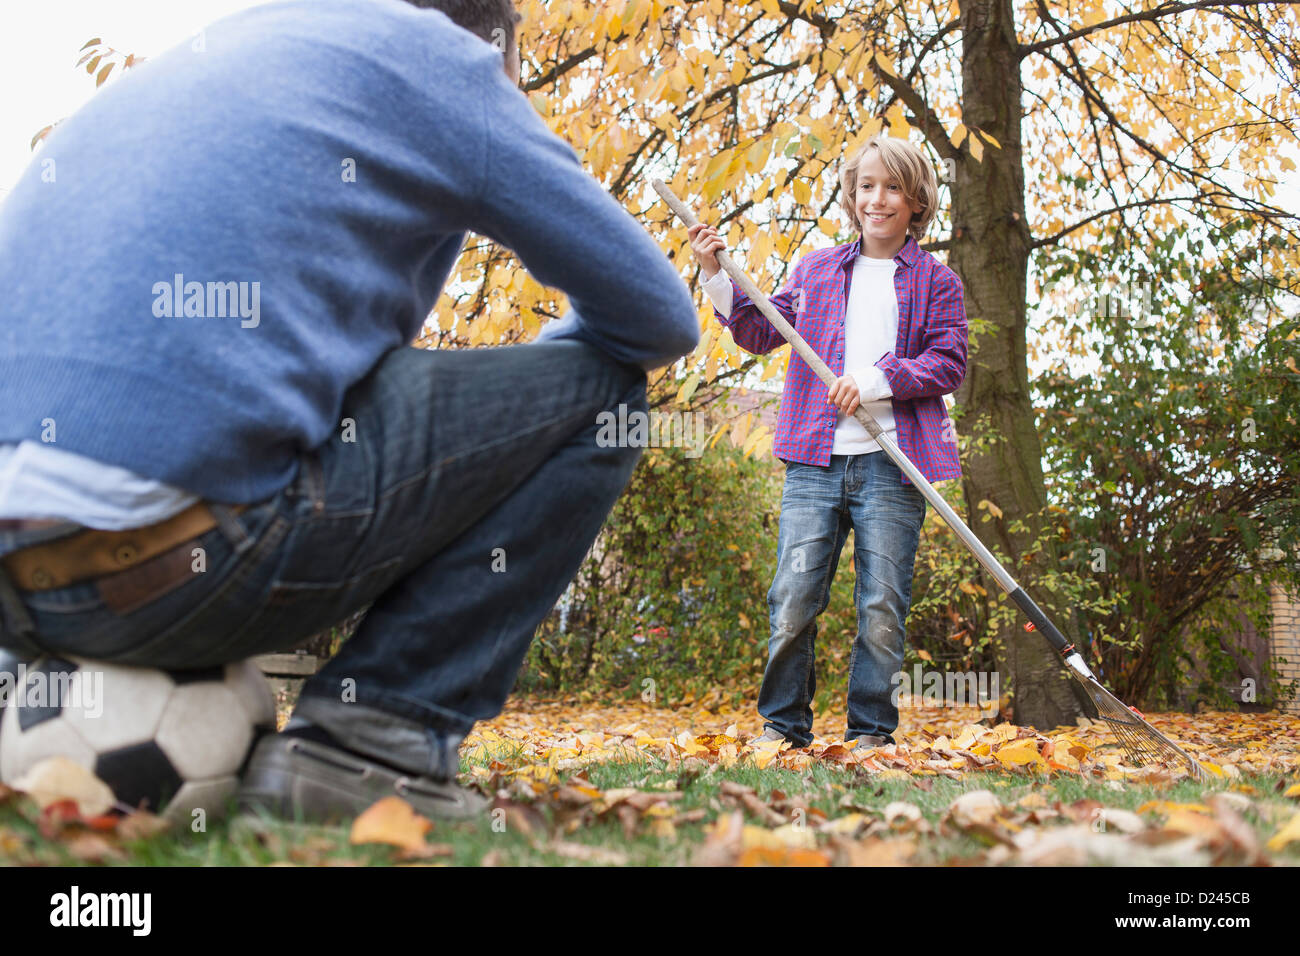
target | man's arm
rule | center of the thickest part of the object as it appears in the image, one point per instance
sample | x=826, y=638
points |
x=625, y=296
x=941, y=366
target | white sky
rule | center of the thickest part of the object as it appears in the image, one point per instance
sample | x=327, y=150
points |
x=37, y=69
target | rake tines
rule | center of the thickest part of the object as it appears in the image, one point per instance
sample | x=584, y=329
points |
x=1143, y=743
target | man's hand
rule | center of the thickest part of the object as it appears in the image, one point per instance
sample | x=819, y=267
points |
x=844, y=393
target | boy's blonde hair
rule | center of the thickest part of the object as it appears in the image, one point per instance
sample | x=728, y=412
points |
x=909, y=166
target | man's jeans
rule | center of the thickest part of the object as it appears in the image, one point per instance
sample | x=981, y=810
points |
x=818, y=507
x=460, y=495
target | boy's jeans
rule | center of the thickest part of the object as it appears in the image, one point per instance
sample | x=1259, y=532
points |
x=461, y=502
x=818, y=506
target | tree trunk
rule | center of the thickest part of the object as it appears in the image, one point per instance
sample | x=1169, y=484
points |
x=990, y=252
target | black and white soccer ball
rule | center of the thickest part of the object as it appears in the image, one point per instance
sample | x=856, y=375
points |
x=166, y=741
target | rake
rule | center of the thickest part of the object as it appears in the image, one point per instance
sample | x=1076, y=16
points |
x=1143, y=744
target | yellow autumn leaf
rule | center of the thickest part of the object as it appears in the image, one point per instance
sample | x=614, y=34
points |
x=741, y=429
x=541, y=772
x=1020, y=753
x=796, y=835
x=1192, y=823
x=1285, y=836
x=1166, y=806
x=393, y=821
x=687, y=743
x=898, y=125
x=687, y=390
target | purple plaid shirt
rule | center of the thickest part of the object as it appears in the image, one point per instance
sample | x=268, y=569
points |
x=928, y=361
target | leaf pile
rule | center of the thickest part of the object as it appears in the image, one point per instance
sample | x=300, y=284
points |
x=539, y=739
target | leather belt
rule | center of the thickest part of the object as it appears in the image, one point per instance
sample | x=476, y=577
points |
x=93, y=553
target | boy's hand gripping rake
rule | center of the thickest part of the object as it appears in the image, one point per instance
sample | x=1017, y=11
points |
x=1142, y=742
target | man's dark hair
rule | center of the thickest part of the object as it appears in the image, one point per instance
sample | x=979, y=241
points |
x=480, y=17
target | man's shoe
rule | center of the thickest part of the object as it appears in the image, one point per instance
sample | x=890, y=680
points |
x=303, y=780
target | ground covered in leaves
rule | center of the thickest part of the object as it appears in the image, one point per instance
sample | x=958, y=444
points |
x=638, y=784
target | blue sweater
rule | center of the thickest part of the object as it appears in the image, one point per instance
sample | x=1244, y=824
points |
x=200, y=262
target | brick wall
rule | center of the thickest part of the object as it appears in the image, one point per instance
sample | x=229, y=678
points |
x=1285, y=638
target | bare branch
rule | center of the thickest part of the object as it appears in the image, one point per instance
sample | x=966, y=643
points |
x=1155, y=13
x=1056, y=237
x=921, y=111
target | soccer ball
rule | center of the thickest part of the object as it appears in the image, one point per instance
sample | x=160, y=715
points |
x=166, y=741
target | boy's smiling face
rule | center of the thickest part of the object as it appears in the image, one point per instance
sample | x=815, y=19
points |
x=884, y=211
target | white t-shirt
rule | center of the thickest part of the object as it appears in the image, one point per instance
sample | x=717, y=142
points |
x=870, y=331
x=39, y=480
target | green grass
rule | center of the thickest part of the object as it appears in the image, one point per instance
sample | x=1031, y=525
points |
x=505, y=841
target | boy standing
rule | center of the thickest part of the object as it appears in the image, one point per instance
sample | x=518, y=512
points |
x=888, y=320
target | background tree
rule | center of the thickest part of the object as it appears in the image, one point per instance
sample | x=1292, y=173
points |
x=1087, y=140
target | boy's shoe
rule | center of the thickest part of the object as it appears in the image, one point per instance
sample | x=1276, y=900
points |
x=304, y=780
x=866, y=743
x=768, y=736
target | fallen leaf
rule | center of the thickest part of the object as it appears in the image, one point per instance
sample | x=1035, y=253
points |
x=1193, y=824
x=977, y=806
x=905, y=817
x=1165, y=806
x=140, y=825
x=876, y=852
x=1020, y=753
x=588, y=854
x=57, y=778
x=724, y=841
x=92, y=848
x=392, y=821
x=1126, y=821
x=11, y=843
x=848, y=825
x=1285, y=836
x=782, y=856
